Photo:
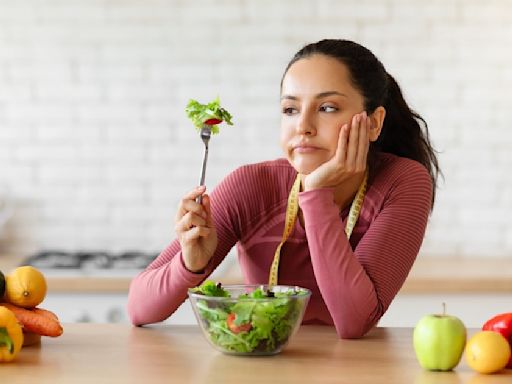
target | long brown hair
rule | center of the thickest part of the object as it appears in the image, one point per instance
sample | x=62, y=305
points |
x=404, y=132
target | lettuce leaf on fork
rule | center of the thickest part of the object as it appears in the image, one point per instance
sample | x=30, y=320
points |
x=200, y=113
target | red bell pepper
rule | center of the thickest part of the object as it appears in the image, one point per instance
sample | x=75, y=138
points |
x=502, y=324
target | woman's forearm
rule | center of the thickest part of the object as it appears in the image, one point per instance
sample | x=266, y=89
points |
x=160, y=289
x=358, y=285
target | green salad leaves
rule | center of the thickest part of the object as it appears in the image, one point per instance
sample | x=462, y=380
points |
x=211, y=114
x=259, y=322
x=209, y=288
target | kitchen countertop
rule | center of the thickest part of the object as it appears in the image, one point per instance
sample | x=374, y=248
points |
x=113, y=353
x=429, y=275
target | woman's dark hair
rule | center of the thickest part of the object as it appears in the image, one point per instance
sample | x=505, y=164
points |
x=404, y=132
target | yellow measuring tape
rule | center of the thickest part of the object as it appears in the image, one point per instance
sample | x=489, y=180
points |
x=291, y=215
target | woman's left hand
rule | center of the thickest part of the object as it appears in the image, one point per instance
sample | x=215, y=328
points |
x=350, y=157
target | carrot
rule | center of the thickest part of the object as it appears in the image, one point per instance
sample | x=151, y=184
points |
x=46, y=313
x=36, y=320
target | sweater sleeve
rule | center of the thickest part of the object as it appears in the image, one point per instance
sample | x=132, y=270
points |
x=163, y=286
x=358, y=285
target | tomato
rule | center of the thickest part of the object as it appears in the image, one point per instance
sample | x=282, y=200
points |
x=213, y=121
x=246, y=327
x=502, y=324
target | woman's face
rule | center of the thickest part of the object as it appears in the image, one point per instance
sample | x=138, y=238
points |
x=317, y=99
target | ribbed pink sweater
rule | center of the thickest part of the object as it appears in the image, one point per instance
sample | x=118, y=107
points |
x=352, y=283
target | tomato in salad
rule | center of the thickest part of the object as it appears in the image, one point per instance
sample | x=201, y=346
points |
x=231, y=322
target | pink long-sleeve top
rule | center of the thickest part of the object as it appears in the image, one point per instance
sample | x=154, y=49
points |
x=352, y=282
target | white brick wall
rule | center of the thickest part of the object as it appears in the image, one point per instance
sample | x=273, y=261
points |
x=97, y=151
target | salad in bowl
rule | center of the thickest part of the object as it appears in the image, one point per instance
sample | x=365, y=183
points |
x=248, y=319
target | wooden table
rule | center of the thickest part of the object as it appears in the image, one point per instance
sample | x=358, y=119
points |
x=109, y=353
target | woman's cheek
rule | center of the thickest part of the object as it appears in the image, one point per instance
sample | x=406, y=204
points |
x=284, y=140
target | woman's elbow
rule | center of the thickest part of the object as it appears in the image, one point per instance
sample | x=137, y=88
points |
x=350, y=334
x=353, y=332
x=139, y=313
x=133, y=315
x=137, y=309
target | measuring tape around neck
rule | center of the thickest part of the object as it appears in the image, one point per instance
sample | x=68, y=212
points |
x=291, y=215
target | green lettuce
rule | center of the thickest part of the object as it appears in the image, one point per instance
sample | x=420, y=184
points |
x=209, y=288
x=200, y=113
x=272, y=321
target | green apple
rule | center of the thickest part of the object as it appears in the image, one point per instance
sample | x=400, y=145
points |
x=439, y=341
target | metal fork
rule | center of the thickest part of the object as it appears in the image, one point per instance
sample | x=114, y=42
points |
x=206, y=133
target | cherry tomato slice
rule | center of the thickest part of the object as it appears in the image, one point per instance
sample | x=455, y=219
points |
x=213, y=121
x=237, y=328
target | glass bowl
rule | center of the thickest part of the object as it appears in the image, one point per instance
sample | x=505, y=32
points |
x=249, y=320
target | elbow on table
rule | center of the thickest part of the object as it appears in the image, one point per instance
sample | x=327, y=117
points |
x=138, y=311
x=142, y=312
x=133, y=308
x=138, y=318
x=353, y=332
x=350, y=334
x=134, y=319
x=134, y=316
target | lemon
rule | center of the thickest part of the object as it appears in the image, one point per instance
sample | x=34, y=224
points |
x=25, y=287
x=487, y=352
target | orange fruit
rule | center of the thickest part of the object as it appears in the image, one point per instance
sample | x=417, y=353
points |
x=487, y=352
x=25, y=287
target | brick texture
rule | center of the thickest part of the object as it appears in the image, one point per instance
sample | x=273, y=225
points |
x=97, y=151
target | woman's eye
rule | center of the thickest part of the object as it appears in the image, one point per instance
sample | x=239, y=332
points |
x=328, y=108
x=289, y=110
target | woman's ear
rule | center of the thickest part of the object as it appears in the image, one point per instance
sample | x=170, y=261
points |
x=377, y=121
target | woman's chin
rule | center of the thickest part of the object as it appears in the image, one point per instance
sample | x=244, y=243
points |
x=305, y=164
x=304, y=169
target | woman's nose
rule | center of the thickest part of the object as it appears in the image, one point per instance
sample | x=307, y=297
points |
x=306, y=125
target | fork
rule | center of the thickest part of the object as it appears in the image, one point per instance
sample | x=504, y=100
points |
x=206, y=133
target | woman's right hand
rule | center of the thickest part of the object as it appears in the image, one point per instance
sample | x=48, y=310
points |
x=196, y=230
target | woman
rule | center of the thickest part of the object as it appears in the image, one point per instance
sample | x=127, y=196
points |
x=361, y=174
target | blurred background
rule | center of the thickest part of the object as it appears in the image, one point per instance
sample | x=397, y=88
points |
x=96, y=150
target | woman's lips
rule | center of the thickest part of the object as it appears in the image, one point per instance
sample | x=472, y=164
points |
x=305, y=149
